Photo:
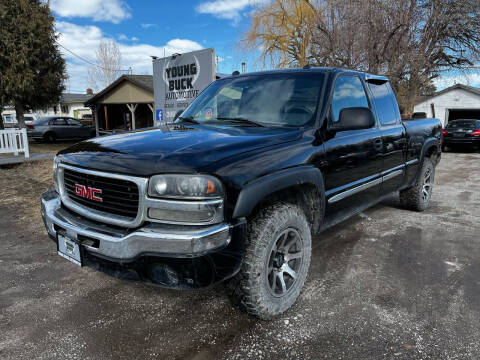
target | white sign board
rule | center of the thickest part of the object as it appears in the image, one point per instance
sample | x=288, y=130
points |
x=178, y=79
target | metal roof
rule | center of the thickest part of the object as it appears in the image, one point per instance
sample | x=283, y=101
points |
x=143, y=81
x=74, y=98
x=314, y=70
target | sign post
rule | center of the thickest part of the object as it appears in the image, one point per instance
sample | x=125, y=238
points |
x=178, y=79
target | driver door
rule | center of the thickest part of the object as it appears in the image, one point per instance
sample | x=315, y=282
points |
x=353, y=157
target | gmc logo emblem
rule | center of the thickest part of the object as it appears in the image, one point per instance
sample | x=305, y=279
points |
x=88, y=192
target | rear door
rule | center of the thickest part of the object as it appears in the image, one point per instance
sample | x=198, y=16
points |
x=354, y=157
x=394, y=140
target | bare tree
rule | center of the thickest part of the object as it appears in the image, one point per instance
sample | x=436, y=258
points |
x=411, y=41
x=282, y=31
x=107, y=68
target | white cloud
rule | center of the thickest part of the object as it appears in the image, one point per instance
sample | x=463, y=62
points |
x=470, y=79
x=84, y=41
x=123, y=37
x=227, y=9
x=98, y=10
x=148, y=26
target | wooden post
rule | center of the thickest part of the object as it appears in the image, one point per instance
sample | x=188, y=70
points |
x=153, y=113
x=26, y=149
x=132, y=108
x=106, y=117
x=96, y=119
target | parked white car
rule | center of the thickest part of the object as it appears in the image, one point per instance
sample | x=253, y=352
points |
x=10, y=120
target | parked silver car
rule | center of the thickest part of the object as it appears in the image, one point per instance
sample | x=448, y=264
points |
x=54, y=128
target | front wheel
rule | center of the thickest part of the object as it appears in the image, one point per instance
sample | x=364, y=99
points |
x=418, y=196
x=277, y=258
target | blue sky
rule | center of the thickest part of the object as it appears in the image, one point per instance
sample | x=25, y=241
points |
x=143, y=28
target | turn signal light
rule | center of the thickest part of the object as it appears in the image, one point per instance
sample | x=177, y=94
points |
x=476, y=133
x=444, y=132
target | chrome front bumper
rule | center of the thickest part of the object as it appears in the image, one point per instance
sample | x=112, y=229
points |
x=125, y=245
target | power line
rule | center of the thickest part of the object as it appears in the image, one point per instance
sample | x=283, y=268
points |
x=88, y=61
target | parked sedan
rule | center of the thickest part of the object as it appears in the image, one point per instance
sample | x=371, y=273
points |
x=54, y=128
x=461, y=132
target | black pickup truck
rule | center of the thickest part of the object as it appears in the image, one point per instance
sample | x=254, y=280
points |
x=235, y=188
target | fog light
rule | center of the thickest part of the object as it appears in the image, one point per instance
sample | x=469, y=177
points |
x=201, y=216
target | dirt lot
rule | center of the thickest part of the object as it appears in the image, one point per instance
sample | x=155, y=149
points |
x=386, y=284
x=41, y=147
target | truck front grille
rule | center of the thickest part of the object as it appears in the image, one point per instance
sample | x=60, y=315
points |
x=118, y=197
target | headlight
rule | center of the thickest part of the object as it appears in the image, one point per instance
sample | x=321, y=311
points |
x=185, y=187
x=55, y=173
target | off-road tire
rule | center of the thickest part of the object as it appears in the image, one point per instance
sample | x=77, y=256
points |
x=251, y=288
x=414, y=198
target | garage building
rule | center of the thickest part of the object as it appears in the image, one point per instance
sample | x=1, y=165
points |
x=456, y=102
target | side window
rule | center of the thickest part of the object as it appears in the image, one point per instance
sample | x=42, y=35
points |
x=386, y=105
x=73, y=122
x=57, y=121
x=348, y=92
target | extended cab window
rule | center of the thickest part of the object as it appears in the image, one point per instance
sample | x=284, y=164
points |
x=385, y=104
x=288, y=99
x=348, y=92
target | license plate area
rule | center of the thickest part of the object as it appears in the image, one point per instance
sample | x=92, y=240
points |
x=69, y=249
x=459, y=135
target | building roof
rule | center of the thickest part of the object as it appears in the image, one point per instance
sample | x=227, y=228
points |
x=143, y=81
x=74, y=98
x=471, y=89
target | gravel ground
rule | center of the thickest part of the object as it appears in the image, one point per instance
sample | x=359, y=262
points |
x=388, y=283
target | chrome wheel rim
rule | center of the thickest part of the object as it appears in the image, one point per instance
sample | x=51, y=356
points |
x=427, y=185
x=284, y=262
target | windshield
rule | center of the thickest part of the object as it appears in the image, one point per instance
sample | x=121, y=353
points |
x=288, y=99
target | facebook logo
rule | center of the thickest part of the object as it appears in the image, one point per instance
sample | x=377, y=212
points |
x=159, y=115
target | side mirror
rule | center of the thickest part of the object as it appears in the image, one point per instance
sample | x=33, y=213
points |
x=354, y=118
x=179, y=112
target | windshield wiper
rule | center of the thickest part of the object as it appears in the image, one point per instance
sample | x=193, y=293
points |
x=241, y=120
x=189, y=119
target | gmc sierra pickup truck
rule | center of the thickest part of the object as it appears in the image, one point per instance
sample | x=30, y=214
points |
x=235, y=188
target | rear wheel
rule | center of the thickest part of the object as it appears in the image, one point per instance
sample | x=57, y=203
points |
x=418, y=196
x=276, y=263
x=50, y=137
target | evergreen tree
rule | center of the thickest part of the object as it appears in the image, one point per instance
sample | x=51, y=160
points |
x=32, y=70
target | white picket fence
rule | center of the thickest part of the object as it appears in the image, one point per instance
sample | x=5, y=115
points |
x=14, y=141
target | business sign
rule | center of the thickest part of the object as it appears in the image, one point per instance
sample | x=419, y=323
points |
x=178, y=79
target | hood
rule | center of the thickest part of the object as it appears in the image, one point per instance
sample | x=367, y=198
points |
x=171, y=148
